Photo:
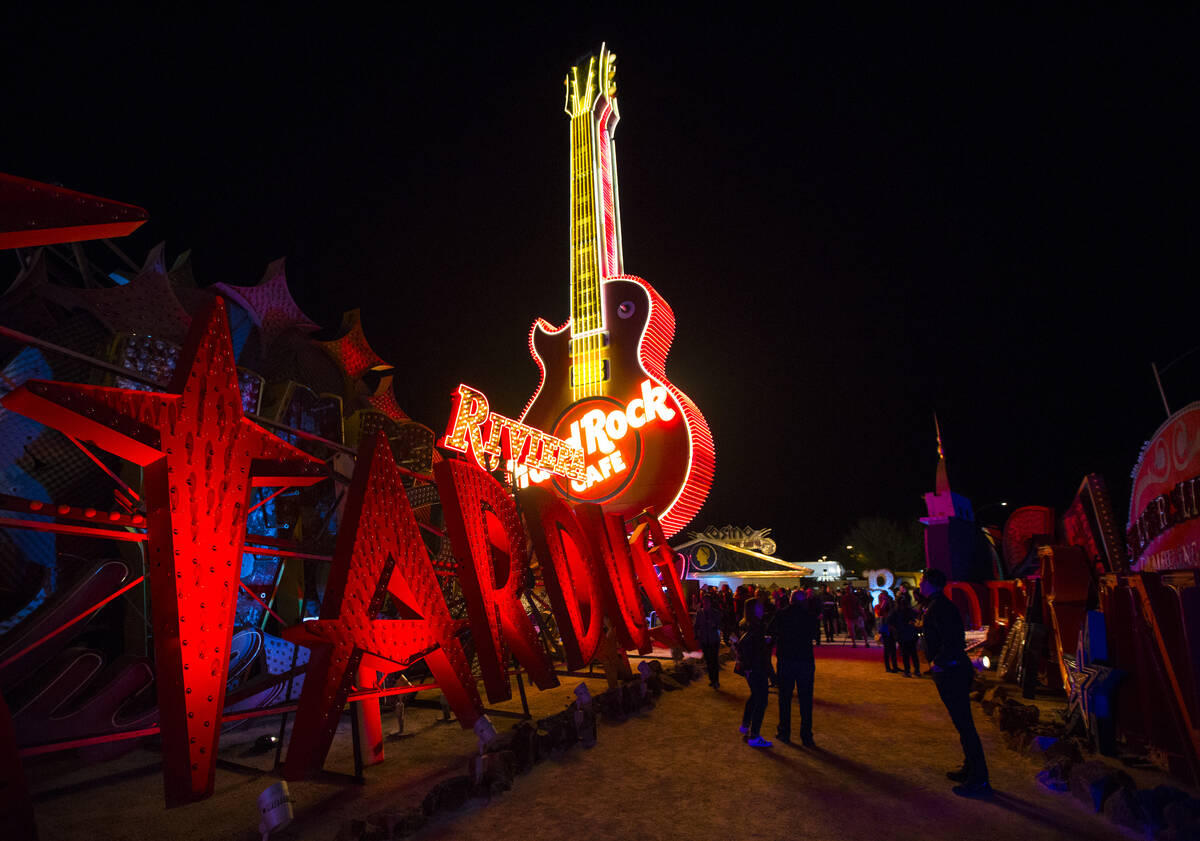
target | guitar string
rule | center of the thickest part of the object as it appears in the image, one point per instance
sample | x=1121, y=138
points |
x=593, y=267
x=576, y=288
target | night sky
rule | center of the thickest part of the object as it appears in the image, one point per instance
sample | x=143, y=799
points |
x=858, y=222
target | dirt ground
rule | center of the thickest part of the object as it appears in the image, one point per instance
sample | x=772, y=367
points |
x=680, y=770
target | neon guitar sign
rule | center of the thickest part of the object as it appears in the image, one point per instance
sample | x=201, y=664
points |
x=603, y=381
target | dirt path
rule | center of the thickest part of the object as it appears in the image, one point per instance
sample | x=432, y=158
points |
x=682, y=771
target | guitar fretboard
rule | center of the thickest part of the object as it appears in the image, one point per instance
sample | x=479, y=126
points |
x=594, y=246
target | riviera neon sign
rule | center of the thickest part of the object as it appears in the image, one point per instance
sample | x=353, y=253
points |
x=474, y=429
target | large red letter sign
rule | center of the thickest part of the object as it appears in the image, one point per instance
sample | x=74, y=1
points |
x=379, y=551
x=606, y=532
x=487, y=536
x=201, y=457
x=571, y=571
x=655, y=565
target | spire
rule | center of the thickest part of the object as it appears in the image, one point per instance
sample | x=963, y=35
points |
x=942, y=483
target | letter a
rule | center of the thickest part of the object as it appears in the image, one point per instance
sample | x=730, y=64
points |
x=379, y=551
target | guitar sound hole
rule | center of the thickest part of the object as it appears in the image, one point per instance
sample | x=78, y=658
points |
x=626, y=309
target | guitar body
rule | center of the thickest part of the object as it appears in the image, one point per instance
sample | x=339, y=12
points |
x=645, y=443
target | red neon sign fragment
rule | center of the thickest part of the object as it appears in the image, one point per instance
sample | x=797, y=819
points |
x=201, y=457
x=486, y=533
x=379, y=551
x=571, y=571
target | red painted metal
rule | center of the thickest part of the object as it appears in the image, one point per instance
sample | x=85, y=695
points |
x=125, y=735
x=619, y=583
x=64, y=528
x=90, y=741
x=201, y=457
x=655, y=565
x=266, y=607
x=33, y=213
x=571, y=571
x=265, y=500
x=370, y=724
x=284, y=553
x=486, y=533
x=379, y=551
x=95, y=460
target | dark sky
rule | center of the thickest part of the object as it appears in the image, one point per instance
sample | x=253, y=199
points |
x=857, y=221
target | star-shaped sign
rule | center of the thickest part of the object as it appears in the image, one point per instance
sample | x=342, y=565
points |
x=201, y=458
x=379, y=551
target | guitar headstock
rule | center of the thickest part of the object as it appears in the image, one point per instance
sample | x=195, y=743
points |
x=586, y=83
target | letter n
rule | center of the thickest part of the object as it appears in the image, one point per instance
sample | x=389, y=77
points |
x=486, y=533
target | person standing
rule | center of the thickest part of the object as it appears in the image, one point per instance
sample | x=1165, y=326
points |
x=868, y=610
x=829, y=612
x=903, y=622
x=728, y=613
x=794, y=628
x=945, y=646
x=755, y=658
x=740, y=595
x=883, y=615
x=853, y=613
x=707, y=626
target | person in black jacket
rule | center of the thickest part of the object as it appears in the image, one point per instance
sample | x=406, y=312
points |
x=903, y=622
x=707, y=626
x=755, y=658
x=794, y=629
x=945, y=646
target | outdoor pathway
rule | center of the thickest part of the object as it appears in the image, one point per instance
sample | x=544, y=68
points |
x=679, y=771
x=683, y=772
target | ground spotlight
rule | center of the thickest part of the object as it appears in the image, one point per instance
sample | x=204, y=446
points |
x=275, y=807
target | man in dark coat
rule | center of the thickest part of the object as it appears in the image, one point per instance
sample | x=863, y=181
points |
x=794, y=630
x=707, y=626
x=945, y=646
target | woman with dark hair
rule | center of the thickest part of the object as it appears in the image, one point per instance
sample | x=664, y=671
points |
x=754, y=657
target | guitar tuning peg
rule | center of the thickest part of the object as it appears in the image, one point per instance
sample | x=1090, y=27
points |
x=612, y=90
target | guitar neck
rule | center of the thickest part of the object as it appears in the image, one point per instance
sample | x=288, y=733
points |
x=595, y=220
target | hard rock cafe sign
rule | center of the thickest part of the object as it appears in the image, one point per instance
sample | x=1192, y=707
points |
x=604, y=386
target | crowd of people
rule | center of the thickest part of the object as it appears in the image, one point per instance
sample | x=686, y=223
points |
x=846, y=611
x=758, y=622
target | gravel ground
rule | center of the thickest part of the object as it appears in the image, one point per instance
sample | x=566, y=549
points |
x=884, y=743
x=679, y=771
